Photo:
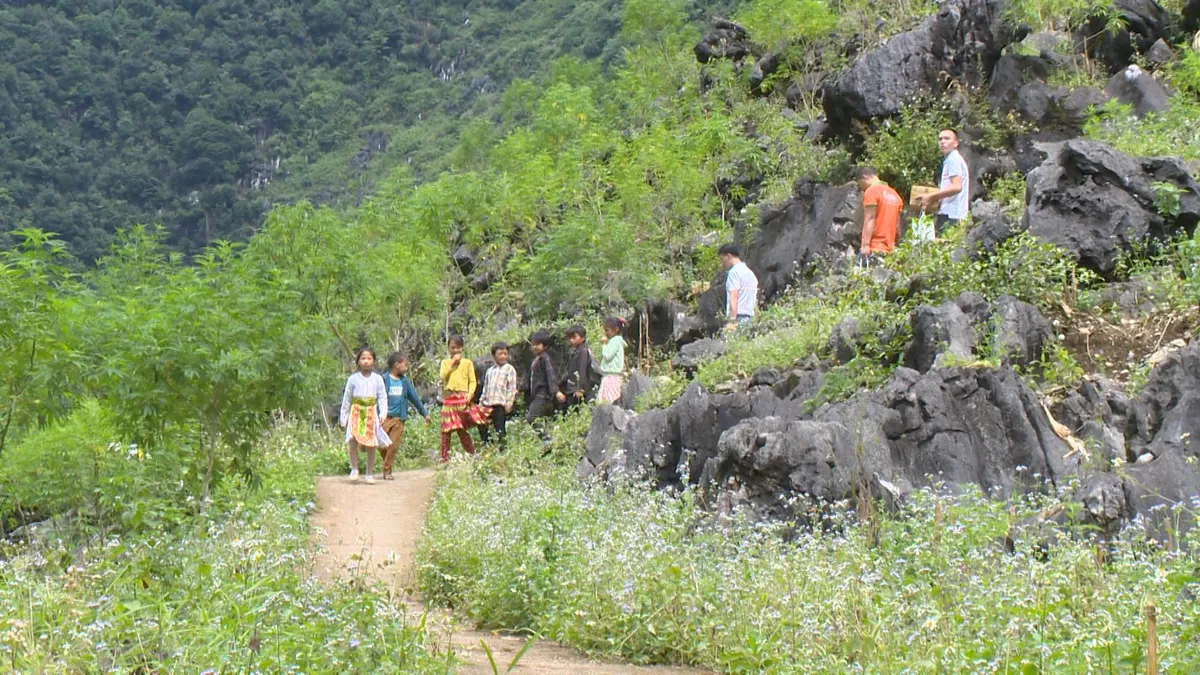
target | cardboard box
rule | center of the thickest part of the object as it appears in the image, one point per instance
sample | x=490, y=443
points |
x=918, y=190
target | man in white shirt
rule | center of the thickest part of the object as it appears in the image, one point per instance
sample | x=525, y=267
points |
x=953, y=195
x=741, y=287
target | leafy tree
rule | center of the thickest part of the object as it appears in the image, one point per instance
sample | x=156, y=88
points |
x=34, y=300
x=197, y=355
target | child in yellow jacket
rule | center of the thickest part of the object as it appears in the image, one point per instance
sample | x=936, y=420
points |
x=458, y=387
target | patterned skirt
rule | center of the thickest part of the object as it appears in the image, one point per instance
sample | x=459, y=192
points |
x=610, y=389
x=458, y=413
x=363, y=424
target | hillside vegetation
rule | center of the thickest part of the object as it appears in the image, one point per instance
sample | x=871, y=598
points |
x=200, y=115
x=163, y=414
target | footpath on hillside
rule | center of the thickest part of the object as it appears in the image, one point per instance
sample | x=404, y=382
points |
x=371, y=530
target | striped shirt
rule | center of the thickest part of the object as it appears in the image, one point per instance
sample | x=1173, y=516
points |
x=500, y=386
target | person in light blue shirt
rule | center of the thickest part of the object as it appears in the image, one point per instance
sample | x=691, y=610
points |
x=953, y=196
x=741, y=287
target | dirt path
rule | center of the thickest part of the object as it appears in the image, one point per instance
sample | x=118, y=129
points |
x=372, y=530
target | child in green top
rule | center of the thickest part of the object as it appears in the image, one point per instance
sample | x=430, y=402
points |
x=612, y=360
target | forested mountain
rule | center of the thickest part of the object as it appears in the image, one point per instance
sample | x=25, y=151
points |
x=200, y=114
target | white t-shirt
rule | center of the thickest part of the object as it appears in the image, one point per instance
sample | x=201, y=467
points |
x=955, y=207
x=740, y=278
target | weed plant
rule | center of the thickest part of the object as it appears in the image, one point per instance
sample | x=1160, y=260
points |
x=650, y=577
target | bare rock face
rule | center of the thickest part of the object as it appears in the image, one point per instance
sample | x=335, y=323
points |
x=964, y=39
x=817, y=224
x=1096, y=202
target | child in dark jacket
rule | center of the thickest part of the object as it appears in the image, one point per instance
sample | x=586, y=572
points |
x=580, y=378
x=543, y=384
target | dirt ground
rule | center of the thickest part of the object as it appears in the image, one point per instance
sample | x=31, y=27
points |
x=371, y=530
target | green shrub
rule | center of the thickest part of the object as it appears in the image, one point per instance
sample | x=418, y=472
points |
x=1184, y=72
x=79, y=469
x=1009, y=191
x=905, y=151
x=1171, y=133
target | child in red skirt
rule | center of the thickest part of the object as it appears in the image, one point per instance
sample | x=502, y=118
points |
x=458, y=386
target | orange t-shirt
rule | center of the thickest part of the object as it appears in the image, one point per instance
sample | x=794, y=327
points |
x=888, y=204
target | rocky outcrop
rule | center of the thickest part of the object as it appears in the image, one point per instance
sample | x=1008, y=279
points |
x=810, y=229
x=726, y=40
x=694, y=354
x=671, y=446
x=1019, y=332
x=950, y=426
x=1134, y=86
x=1096, y=202
x=1142, y=23
x=1018, y=84
x=1166, y=416
x=965, y=38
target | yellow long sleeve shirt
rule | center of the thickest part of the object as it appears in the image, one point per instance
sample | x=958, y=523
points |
x=461, y=378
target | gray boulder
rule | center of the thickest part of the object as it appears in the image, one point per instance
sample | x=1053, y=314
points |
x=601, y=446
x=1097, y=412
x=1166, y=416
x=963, y=40
x=1143, y=23
x=937, y=331
x=1191, y=15
x=1134, y=86
x=1021, y=332
x=971, y=425
x=726, y=40
x=761, y=460
x=990, y=227
x=799, y=385
x=1096, y=202
x=693, y=354
x=634, y=387
x=792, y=241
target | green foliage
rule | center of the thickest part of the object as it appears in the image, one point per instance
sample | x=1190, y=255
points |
x=1184, y=72
x=196, y=114
x=227, y=590
x=34, y=283
x=1060, y=369
x=76, y=471
x=1061, y=15
x=1009, y=191
x=905, y=151
x=202, y=358
x=776, y=24
x=648, y=577
x=1171, y=133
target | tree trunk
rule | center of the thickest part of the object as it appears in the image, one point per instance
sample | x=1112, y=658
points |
x=208, y=473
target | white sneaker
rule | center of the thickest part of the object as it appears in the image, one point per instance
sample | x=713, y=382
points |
x=353, y=474
x=370, y=480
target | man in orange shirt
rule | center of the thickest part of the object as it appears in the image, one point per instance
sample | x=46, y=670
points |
x=881, y=214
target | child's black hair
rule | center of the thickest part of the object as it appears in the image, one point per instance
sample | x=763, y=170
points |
x=540, y=337
x=614, y=323
x=455, y=340
x=395, y=358
x=364, y=350
x=577, y=330
x=499, y=346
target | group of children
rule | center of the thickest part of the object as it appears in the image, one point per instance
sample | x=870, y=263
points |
x=375, y=408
